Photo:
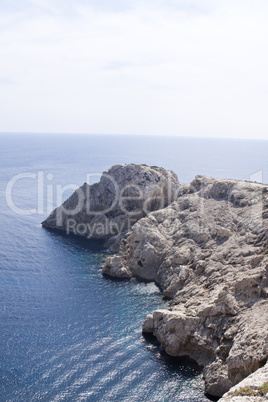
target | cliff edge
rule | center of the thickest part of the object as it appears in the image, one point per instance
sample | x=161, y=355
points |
x=124, y=194
x=253, y=388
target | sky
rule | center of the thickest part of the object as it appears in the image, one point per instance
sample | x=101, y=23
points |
x=156, y=67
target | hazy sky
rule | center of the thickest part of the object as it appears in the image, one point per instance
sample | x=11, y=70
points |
x=175, y=67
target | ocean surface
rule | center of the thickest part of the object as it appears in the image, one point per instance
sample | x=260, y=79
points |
x=67, y=333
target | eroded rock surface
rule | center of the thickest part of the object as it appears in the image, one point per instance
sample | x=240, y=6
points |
x=256, y=383
x=207, y=251
x=206, y=247
x=124, y=194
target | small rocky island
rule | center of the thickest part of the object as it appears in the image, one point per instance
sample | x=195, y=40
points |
x=205, y=245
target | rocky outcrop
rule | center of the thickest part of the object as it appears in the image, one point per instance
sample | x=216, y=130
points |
x=253, y=388
x=207, y=251
x=124, y=194
x=205, y=245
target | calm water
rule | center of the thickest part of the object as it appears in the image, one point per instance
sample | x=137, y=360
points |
x=66, y=332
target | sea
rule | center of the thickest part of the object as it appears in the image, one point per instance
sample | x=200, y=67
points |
x=66, y=332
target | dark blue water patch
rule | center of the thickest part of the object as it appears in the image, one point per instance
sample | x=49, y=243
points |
x=67, y=333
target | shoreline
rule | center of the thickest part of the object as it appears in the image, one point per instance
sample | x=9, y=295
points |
x=206, y=250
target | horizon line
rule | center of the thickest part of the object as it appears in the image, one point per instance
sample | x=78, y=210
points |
x=130, y=135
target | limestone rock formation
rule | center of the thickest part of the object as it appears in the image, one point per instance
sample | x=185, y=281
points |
x=253, y=388
x=207, y=251
x=205, y=245
x=124, y=194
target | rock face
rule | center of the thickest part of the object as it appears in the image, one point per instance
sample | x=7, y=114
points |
x=207, y=251
x=205, y=245
x=124, y=194
x=253, y=384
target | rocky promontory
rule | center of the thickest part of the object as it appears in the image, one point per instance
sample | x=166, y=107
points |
x=206, y=247
x=124, y=194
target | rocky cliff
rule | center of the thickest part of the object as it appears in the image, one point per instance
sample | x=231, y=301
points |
x=204, y=244
x=253, y=388
x=207, y=251
x=124, y=194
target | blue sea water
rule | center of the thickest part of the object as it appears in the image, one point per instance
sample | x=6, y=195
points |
x=67, y=333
